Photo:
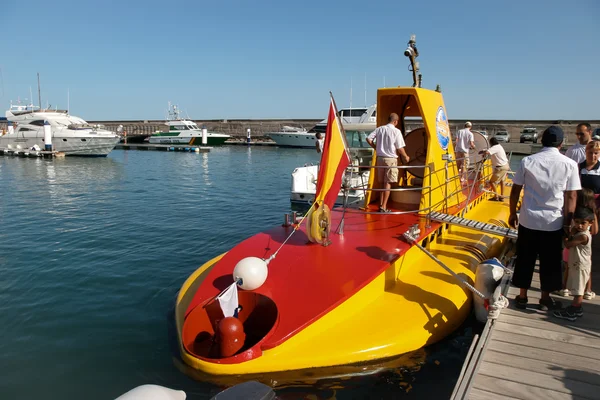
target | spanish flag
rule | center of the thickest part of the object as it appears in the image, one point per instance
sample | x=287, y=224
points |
x=334, y=160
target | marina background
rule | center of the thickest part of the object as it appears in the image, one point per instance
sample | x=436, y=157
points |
x=261, y=127
x=93, y=252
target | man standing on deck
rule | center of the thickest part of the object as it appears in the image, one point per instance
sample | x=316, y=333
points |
x=388, y=143
x=464, y=142
x=550, y=182
x=584, y=136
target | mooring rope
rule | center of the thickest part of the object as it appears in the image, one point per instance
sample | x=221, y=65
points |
x=290, y=235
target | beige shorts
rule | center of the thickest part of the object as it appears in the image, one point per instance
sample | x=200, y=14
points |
x=387, y=175
x=577, y=278
x=464, y=158
x=499, y=174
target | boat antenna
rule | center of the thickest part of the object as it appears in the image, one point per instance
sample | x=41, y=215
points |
x=365, y=90
x=2, y=83
x=412, y=53
x=39, y=91
x=350, y=95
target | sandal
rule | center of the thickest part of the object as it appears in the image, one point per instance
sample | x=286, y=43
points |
x=589, y=295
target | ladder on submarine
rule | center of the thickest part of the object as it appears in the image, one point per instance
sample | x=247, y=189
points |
x=476, y=225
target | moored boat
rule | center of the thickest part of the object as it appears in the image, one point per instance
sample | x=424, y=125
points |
x=70, y=135
x=352, y=286
x=183, y=131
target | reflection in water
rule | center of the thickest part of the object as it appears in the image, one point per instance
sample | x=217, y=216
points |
x=205, y=171
x=93, y=252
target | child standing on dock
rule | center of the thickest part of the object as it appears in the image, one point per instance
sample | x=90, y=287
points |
x=579, y=243
x=585, y=198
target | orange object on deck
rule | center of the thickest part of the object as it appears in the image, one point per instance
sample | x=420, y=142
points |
x=231, y=336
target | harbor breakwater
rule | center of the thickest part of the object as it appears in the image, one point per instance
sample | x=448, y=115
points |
x=237, y=128
x=260, y=128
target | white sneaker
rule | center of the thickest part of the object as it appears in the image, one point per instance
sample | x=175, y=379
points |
x=589, y=295
x=562, y=292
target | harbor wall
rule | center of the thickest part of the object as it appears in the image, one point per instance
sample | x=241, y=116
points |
x=260, y=127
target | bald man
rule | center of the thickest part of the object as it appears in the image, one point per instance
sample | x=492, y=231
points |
x=388, y=143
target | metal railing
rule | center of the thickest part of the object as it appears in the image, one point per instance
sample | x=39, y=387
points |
x=480, y=176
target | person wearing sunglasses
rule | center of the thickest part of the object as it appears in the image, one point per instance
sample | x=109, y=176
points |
x=584, y=136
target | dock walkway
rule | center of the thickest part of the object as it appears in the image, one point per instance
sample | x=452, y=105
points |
x=530, y=354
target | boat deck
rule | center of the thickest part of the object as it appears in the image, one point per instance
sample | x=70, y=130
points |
x=530, y=354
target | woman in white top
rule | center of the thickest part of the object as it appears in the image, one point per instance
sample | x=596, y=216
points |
x=500, y=166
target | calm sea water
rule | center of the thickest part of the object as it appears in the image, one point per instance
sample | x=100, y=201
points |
x=93, y=252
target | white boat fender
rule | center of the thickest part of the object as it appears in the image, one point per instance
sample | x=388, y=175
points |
x=250, y=390
x=488, y=275
x=152, y=392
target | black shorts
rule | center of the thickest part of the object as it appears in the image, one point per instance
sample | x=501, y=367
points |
x=532, y=244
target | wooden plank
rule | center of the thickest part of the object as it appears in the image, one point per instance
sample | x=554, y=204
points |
x=540, y=343
x=566, y=384
x=471, y=369
x=462, y=376
x=577, y=372
x=519, y=390
x=580, y=327
x=478, y=394
x=582, y=361
x=551, y=335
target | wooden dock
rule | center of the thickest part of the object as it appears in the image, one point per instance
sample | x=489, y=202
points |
x=163, y=147
x=530, y=354
x=31, y=153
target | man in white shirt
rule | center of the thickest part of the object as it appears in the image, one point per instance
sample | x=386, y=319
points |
x=584, y=136
x=500, y=167
x=550, y=182
x=319, y=142
x=464, y=142
x=388, y=143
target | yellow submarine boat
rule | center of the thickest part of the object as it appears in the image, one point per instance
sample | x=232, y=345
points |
x=365, y=294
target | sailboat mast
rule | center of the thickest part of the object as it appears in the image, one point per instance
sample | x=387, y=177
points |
x=39, y=92
x=350, y=95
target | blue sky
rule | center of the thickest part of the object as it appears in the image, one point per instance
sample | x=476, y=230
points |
x=279, y=59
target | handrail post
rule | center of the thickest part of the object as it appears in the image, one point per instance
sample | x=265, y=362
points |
x=430, y=197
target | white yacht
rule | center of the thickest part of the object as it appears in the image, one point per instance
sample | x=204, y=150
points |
x=298, y=137
x=71, y=135
x=183, y=131
x=360, y=118
x=290, y=136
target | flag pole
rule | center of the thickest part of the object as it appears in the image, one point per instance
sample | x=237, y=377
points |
x=340, y=228
x=341, y=126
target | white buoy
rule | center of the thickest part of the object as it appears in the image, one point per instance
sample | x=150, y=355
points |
x=197, y=149
x=487, y=277
x=152, y=392
x=11, y=128
x=252, y=271
x=47, y=136
x=204, y=136
x=248, y=135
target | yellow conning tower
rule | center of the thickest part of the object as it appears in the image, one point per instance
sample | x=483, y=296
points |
x=431, y=177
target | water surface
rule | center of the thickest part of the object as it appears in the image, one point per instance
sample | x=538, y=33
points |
x=93, y=252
